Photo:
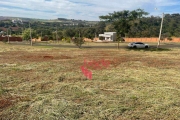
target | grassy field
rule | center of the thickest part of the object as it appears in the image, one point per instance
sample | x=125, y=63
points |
x=47, y=83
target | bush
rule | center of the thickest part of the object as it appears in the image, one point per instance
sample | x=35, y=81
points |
x=45, y=38
x=68, y=40
x=78, y=41
x=169, y=38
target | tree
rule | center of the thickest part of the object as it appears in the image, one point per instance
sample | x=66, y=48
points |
x=122, y=19
x=69, y=33
x=57, y=36
x=119, y=39
x=100, y=27
x=54, y=35
x=26, y=34
x=78, y=41
x=60, y=35
x=110, y=28
x=89, y=33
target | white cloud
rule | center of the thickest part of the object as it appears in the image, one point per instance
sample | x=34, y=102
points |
x=77, y=9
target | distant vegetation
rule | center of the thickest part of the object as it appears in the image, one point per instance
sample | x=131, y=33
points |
x=127, y=23
x=136, y=24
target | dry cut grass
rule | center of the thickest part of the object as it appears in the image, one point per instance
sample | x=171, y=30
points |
x=47, y=83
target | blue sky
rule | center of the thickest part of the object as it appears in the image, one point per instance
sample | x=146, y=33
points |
x=82, y=9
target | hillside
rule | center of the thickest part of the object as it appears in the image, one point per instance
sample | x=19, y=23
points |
x=64, y=20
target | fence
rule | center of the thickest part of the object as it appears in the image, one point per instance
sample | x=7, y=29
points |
x=140, y=40
x=150, y=40
x=19, y=39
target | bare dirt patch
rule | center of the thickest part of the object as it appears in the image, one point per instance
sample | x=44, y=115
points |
x=9, y=101
x=16, y=56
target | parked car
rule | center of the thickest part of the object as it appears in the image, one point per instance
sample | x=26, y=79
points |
x=138, y=45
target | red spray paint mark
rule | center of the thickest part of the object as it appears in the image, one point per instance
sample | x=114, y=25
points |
x=86, y=72
x=95, y=65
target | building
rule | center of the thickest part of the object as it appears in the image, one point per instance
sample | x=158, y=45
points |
x=109, y=36
x=17, y=21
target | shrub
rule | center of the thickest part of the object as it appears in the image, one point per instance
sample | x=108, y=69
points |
x=78, y=41
x=169, y=38
x=68, y=40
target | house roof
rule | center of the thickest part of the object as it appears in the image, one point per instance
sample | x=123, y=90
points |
x=3, y=29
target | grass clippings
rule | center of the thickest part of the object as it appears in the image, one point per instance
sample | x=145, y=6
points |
x=47, y=83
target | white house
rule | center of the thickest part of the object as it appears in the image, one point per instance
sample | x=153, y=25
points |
x=109, y=36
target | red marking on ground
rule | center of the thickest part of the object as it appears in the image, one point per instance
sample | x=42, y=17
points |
x=95, y=65
x=86, y=72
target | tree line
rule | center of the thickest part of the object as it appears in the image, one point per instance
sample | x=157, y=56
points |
x=135, y=23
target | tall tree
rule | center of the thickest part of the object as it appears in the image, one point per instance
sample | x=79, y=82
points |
x=89, y=33
x=100, y=27
x=69, y=33
x=26, y=34
x=121, y=19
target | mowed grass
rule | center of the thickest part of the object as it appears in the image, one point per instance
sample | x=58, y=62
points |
x=47, y=83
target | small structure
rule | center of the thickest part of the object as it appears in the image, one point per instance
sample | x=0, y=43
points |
x=17, y=21
x=109, y=36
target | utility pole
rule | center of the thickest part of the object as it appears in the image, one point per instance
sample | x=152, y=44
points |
x=56, y=35
x=10, y=31
x=8, y=34
x=41, y=36
x=79, y=40
x=95, y=36
x=30, y=34
x=119, y=37
x=160, y=31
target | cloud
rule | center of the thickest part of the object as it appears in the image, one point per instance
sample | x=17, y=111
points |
x=79, y=9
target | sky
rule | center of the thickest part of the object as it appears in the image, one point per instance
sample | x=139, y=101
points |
x=83, y=9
